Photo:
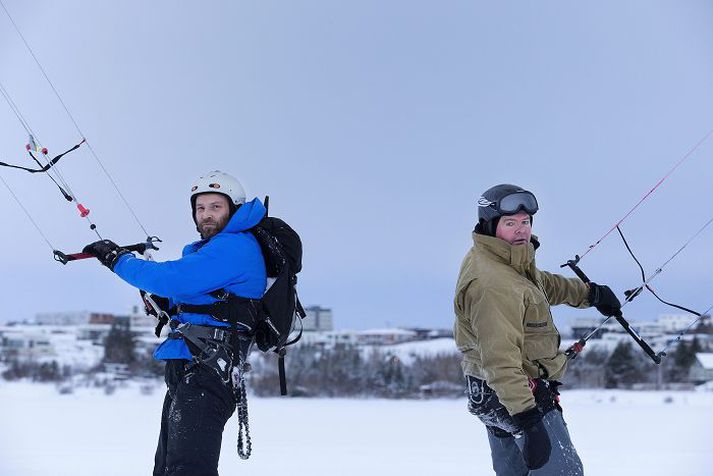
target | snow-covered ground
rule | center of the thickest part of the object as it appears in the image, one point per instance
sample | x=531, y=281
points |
x=90, y=433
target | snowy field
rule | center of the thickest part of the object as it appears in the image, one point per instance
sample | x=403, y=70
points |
x=90, y=433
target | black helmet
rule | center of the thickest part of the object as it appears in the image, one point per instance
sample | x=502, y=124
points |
x=501, y=200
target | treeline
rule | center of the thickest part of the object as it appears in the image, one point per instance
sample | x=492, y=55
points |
x=351, y=371
x=36, y=371
x=347, y=371
x=628, y=367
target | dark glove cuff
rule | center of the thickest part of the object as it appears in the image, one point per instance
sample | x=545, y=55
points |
x=119, y=253
x=594, y=294
x=528, y=418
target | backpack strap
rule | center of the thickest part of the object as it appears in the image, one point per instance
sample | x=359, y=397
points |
x=281, y=370
x=298, y=307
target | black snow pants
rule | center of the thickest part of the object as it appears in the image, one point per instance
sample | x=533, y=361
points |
x=195, y=410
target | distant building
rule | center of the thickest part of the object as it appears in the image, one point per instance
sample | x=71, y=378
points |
x=425, y=333
x=702, y=369
x=674, y=322
x=649, y=330
x=385, y=336
x=73, y=338
x=329, y=339
x=319, y=319
x=102, y=318
x=25, y=342
x=43, y=343
x=582, y=326
x=93, y=332
x=376, y=337
x=73, y=318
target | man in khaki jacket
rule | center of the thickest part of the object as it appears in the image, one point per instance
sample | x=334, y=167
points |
x=510, y=345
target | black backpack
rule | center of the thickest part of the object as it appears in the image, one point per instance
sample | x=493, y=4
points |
x=281, y=308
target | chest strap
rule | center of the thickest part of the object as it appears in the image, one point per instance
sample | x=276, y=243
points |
x=241, y=313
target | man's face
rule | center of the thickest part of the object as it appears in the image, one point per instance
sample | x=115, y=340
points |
x=212, y=213
x=515, y=229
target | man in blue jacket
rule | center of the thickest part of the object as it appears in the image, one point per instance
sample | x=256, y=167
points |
x=226, y=261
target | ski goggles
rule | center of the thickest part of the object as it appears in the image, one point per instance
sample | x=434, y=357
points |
x=513, y=203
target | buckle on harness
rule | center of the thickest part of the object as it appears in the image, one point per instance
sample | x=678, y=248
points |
x=219, y=334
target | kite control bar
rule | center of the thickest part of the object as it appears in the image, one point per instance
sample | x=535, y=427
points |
x=577, y=347
x=141, y=248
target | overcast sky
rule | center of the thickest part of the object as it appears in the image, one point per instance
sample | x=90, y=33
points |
x=374, y=126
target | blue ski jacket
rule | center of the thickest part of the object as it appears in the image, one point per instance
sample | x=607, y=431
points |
x=230, y=260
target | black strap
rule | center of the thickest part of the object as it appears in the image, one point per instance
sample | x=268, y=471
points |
x=228, y=308
x=298, y=306
x=162, y=321
x=281, y=370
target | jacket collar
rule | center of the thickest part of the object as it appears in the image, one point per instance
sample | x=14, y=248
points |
x=519, y=257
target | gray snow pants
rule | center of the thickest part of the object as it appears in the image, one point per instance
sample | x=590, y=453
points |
x=505, y=449
x=564, y=460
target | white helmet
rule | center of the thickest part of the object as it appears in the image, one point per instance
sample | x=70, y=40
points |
x=218, y=182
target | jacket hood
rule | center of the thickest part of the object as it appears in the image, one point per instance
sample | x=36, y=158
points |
x=248, y=215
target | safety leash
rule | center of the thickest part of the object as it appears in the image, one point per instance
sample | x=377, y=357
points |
x=630, y=294
x=245, y=446
x=633, y=293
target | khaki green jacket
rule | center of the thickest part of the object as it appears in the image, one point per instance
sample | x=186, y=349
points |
x=503, y=325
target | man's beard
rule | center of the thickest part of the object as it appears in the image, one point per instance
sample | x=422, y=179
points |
x=210, y=228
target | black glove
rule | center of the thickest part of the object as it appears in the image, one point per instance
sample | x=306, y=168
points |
x=154, y=305
x=106, y=251
x=536, y=448
x=604, y=299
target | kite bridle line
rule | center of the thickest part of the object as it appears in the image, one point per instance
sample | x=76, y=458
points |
x=51, y=166
x=630, y=294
